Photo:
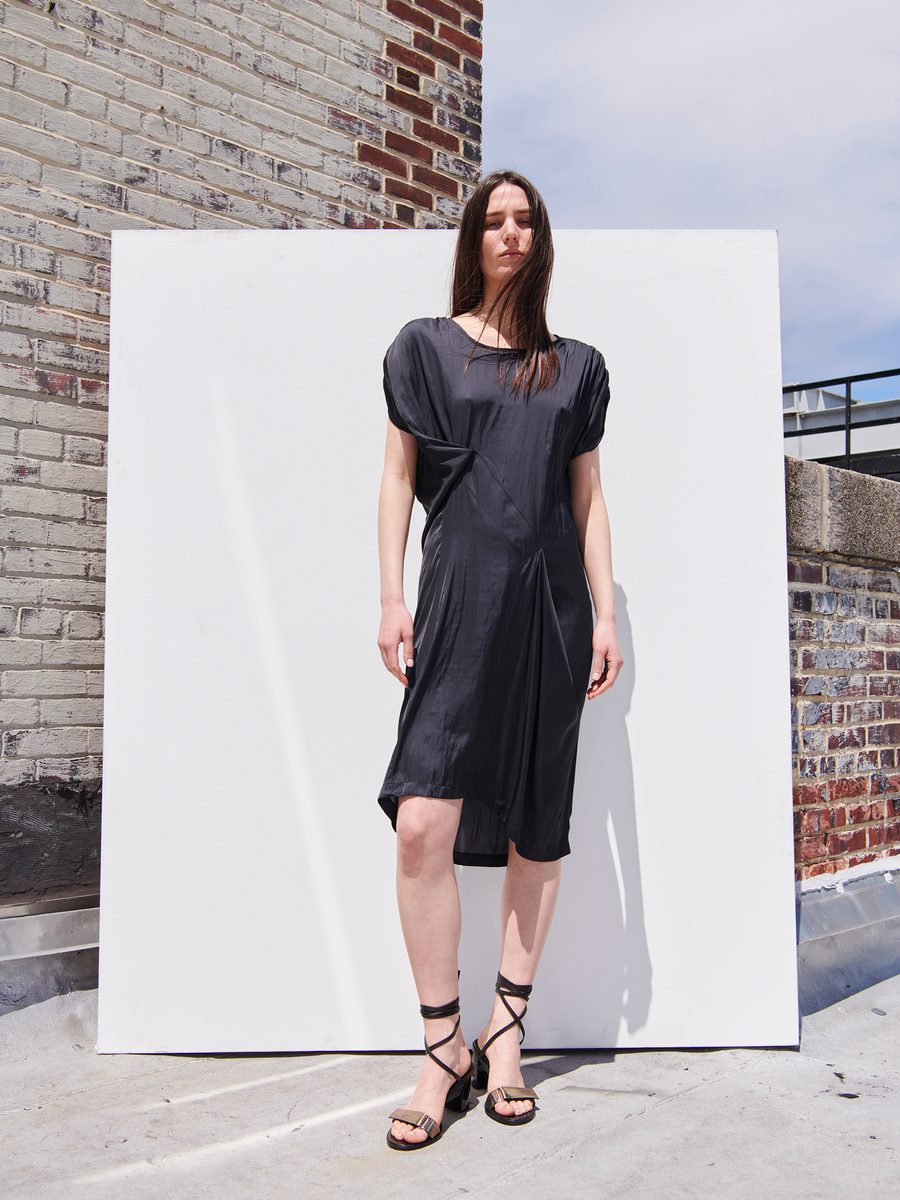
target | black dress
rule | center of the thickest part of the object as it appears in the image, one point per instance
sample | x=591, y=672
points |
x=502, y=636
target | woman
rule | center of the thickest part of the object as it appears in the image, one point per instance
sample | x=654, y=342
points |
x=494, y=425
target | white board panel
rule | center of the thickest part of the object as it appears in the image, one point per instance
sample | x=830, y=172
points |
x=247, y=891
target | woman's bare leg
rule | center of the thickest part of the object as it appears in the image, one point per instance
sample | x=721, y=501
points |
x=428, y=900
x=526, y=911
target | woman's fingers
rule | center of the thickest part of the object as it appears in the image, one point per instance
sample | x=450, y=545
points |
x=395, y=643
x=606, y=667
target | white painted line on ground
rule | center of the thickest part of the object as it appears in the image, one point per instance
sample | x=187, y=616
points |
x=191, y=1158
x=240, y=1087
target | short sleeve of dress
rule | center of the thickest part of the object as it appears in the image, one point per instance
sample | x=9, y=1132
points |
x=595, y=400
x=402, y=385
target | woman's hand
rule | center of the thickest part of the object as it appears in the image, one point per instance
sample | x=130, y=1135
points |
x=607, y=658
x=396, y=631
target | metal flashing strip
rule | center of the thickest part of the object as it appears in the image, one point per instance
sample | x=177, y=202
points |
x=855, y=904
x=37, y=934
x=57, y=904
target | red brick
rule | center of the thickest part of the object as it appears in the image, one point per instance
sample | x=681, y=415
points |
x=351, y=123
x=892, y=710
x=404, y=145
x=868, y=760
x=842, y=843
x=876, y=835
x=440, y=9
x=866, y=660
x=861, y=859
x=397, y=187
x=358, y=220
x=409, y=58
x=462, y=41
x=811, y=847
x=810, y=793
x=475, y=7
x=892, y=660
x=842, y=739
x=858, y=813
x=439, y=183
x=378, y=158
x=391, y=225
x=437, y=49
x=884, y=634
x=804, y=572
x=884, y=784
x=895, y=610
x=410, y=15
x=841, y=789
x=408, y=79
x=430, y=133
x=884, y=735
x=413, y=104
x=822, y=868
x=28, y=379
x=805, y=630
x=884, y=685
x=884, y=583
x=878, y=810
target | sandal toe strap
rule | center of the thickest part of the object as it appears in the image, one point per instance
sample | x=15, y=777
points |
x=418, y=1120
x=511, y=1093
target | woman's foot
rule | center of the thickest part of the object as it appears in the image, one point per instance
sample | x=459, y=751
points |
x=434, y=1082
x=504, y=1058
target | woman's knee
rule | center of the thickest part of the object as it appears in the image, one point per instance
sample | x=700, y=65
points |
x=426, y=830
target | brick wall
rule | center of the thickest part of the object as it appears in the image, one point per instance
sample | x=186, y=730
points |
x=844, y=583
x=186, y=114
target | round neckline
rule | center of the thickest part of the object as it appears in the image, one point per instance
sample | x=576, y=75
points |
x=485, y=345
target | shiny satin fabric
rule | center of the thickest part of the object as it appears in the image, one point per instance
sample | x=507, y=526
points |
x=502, y=628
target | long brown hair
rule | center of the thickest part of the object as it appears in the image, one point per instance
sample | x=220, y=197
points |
x=524, y=295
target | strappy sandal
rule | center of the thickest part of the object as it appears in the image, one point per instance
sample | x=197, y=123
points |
x=457, y=1099
x=482, y=1067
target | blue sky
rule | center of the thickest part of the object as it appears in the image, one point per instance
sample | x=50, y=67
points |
x=767, y=114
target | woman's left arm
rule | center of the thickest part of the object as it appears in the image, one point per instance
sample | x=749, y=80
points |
x=592, y=526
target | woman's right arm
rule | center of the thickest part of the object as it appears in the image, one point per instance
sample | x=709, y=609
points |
x=395, y=501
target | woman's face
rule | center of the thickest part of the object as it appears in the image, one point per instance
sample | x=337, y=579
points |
x=507, y=234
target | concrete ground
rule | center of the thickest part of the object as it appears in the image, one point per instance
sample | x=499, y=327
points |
x=819, y=1123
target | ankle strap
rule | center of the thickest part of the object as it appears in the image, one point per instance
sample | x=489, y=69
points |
x=435, y=1012
x=504, y=988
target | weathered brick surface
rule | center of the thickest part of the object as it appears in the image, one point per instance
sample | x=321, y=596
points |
x=184, y=114
x=845, y=673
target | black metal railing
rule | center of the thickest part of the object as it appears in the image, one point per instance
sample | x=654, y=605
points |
x=846, y=424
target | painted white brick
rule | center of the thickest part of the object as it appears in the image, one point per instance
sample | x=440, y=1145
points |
x=8, y=619
x=73, y=476
x=72, y=591
x=26, y=531
x=89, y=104
x=197, y=33
x=20, y=166
x=40, y=622
x=8, y=439
x=87, y=711
x=21, y=591
x=33, y=743
x=74, y=69
x=45, y=562
x=39, y=443
x=40, y=84
x=71, y=653
x=95, y=742
x=19, y=652
x=65, y=769
x=93, y=683
x=77, y=241
x=22, y=49
x=77, y=536
x=83, y=625
x=35, y=141
x=41, y=29
x=41, y=320
x=15, y=771
x=16, y=713
x=69, y=418
x=17, y=409
x=42, y=501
